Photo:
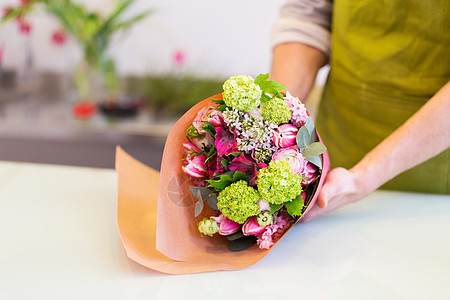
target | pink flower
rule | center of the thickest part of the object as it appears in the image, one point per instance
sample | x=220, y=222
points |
x=215, y=166
x=24, y=26
x=190, y=148
x=179, y=56
x=309, y=174
x=263, y=205
x=246, y=165
x=195, y=166
x=251, y=227
x=299, y=112
x=203, y=116
x=225, y=142
x=216, y=118
x=226, y=226
x=59, y=37
x=293, y=156
x=285, y=136
x=203, y=141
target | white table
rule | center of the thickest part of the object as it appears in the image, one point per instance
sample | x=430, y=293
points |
x=59, y=240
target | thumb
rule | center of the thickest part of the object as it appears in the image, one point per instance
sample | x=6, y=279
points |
x=331, y=187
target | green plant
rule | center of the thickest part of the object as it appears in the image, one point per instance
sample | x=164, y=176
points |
x=93, y=32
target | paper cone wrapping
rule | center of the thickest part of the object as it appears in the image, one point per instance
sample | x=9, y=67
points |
x=156, y=213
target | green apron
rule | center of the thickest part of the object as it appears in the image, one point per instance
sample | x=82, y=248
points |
x=388, y=58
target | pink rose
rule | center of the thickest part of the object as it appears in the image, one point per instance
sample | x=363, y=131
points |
x=293, y=156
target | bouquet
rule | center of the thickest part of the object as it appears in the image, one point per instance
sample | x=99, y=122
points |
x=254, y=159
x=242, y=166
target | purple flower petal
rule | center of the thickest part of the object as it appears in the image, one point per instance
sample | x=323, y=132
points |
x=246, y=165
x=225, y=142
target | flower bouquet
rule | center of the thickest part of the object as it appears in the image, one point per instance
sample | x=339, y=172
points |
x=238, y=170
x=252, y=160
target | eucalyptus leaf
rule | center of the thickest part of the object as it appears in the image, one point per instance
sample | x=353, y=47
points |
x=201, y=193
x=303, y=137
x=316, y=160
x=314, y=149
x=198, y=208
x=212, y=201
x=235, y=236
x=309, y=124
x=242, y=243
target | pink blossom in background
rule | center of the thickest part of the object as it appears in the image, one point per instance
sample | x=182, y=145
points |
x=1, y=54
x=24, y=2
x=59, y=37
x=24, y=26
x=7, y=10
x=179, y=56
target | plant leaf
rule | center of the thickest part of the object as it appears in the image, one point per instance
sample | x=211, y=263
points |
x=315, y=160
x=265, y=98
x=235, y=236
x=269, y=86
x=303, y=137
x=274, y=207
x=201, y=193
x=314, y=149
x=212, y=201
x=242, y=243
x=208, y=127
x=198, y=208
x=225, y=180
x=295, y=206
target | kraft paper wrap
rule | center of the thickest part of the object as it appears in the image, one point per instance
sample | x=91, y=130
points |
x=156, y=213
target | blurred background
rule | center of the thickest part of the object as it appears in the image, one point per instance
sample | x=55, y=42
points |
x=78, y=77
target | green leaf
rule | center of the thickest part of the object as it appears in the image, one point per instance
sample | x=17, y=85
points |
x=314, y=149
x=222, y=107
x=310, y=125
x=198, y=208
x=274, y=207
x=242, y=243
x=226, y=180
x=316, y=160
x=235, y=154
x=192, y=132
x=235, y=236
x=212, y=201
x=295, y=207
x=208, y=127
x=217, y=101
x=265, y=98
x=201, y=193
x=269, y=86
x=261, y=78
x=303, y=137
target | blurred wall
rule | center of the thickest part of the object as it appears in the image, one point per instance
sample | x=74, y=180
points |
x=219, y=38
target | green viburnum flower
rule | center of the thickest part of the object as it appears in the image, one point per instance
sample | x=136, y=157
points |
x=238, y=201
x=276, y=111
x=208, y=226
x=264, y=218
x=241, y=92
x=277, y=184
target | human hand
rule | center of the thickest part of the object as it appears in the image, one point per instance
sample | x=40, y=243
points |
x=341, y=187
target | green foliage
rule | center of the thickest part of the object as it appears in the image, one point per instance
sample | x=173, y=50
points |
x=295, y=207
x=169, y=95
x=227, y=179
x=269, y=86
x=93, y=32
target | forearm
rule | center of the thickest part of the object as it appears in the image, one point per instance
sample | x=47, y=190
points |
x=423, y=136
x=296, y=65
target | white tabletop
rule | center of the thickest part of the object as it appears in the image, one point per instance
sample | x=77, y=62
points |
x=59, y=240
